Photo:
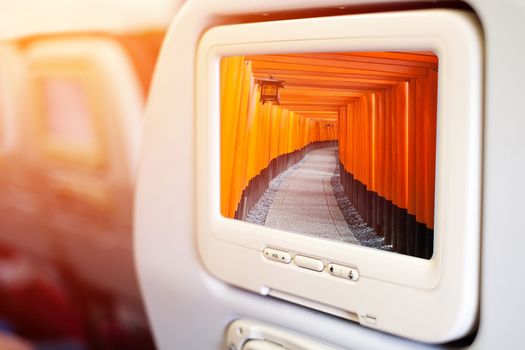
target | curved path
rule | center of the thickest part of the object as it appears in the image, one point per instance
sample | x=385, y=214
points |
x=305, y=201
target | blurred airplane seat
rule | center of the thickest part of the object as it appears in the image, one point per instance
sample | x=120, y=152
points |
x=18, y=204
x=85, y=119
x=67, y=182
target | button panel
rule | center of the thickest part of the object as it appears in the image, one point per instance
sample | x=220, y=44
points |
x=346, y=272
x=313, y=264
x=277, y=255
x=308, y=263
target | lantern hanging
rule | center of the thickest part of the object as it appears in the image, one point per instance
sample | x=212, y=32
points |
x=270, y=89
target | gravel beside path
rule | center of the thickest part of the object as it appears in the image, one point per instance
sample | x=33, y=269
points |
x=260, y=210
x=364, y=233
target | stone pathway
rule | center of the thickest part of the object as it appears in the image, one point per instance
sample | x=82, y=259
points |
x=305, y=201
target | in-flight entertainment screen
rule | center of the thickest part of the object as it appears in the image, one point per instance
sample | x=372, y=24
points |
x=336, y=145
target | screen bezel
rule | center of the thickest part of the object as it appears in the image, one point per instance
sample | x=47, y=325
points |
x=454, y=266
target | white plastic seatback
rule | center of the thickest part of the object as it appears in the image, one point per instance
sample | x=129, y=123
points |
x=189, y=308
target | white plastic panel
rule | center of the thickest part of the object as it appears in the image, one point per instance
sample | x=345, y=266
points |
x=446, y=284
x=165, y=232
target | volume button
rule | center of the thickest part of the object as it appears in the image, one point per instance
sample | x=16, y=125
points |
x=277, y=255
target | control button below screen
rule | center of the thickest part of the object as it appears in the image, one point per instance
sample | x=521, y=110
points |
x=308, y=263
x=277, y=255
x=346, y=272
